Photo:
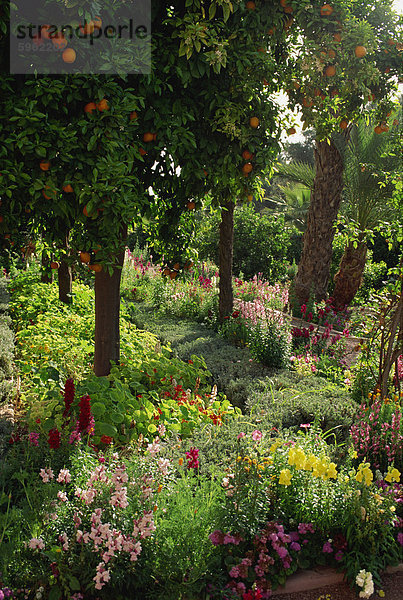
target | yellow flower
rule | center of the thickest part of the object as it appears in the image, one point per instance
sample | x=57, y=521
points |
x=285, y=477
x=331, y=471
x=180, y=461
x=393, y=475
x=381, y=594
x=354, y=454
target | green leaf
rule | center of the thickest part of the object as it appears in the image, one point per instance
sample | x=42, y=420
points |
x=152, y=428
x=107, y=429
x=74, y=583
x=55, y=593
x=98, y=409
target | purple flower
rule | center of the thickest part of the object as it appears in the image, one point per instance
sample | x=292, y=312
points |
x=339, y=555
x=400, y=538
x=33, y=440
x=327, y=548
x=193, y=458
x=217, y=537
x=295, y=546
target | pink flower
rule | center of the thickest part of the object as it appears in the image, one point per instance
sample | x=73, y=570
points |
x=217, y=537
x=256, y=435
x=33, y=438
x=46, y=474
x=64, y=476
x=327, y=548
x=241, y=435
x=62, y=496
x=36, y=544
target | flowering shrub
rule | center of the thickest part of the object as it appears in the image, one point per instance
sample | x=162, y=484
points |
x=99, y=517
x=377, y=433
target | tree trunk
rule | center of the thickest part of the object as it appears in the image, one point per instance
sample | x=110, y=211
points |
x=46, y=271
x=314, y=267
x=107, y=313
x=65, y=280
x=226, y=298
x=349, y=276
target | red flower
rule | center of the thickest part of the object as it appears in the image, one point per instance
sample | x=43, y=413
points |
x=106, y=439
x=85, y=412
x=54, y=438
x=69, y=392
x=235, y=314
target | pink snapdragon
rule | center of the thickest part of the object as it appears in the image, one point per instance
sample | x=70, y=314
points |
x=36, y=544
x=46, y=474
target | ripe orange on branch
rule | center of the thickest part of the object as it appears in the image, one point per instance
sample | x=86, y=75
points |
x=330, y=71
x=59, y=41
x=103, y=105
x=250, y=6
x=54, y=265
x=90, y=107
x=360, y=51
x=326, y=10
x=68, y=189
x=343, y=124
x=247, y=155
x=191, y=205
x=85, y=257
x=247, y=168
x=97, y=21
x=254, y=122
x=148, y=137
x=44, y=165
x=133, y=115
x=96, y=267
x=69, y=55
x=291, y=131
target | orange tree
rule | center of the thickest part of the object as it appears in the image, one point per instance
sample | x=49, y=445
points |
x=349, y=59
x=81, y=153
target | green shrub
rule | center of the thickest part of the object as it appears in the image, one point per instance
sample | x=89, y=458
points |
x=270, y=344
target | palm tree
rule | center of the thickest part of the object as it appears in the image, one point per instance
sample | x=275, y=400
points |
x=365, y=201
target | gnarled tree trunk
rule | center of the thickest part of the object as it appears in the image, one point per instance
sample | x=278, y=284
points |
x=314, y=267
x=226, y=298
x=107, y=314
x=349, y=276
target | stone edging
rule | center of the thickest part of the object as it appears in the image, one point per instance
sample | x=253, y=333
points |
x=320, y=577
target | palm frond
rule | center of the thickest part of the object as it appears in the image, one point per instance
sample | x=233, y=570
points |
x=297, y=171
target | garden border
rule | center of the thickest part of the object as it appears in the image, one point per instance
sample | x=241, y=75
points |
x=312, y=579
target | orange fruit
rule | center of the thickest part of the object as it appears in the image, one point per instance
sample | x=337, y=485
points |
x=69, y=55
x=331, y=54
x=288, y=9
x=250, y=6
x=85, y=257
x=337, y=37
x=326, y=10
x=142, y=152
x=54, y=265
x=97, y=21
x=330, y=71
x=291, y=131
x=44, y=32
x=133, y=115
x=48, y=190
x=254, y=122
x=249, y=197
x=360, y=51
x=59, y=41
x=166, y=271
x=90, y=107
x=68, y=189
x=177, y=266
x=148, y=137
x=85, y=211
x=247, y=168
x=190, y=206
x=246, y=155
x=378, y=129
x=103, y=105
x=96, y=267
x=44, y=165
x=384, y=127
x=87, y=28
x=154, y=137
x=271, y=31
x=343, y=124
